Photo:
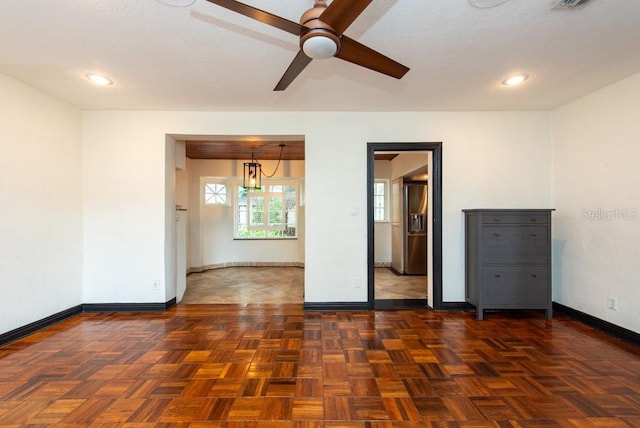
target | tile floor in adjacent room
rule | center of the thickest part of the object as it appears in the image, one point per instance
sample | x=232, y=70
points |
x=245, y=285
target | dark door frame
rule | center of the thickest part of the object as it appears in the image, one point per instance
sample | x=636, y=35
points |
x=435, y=181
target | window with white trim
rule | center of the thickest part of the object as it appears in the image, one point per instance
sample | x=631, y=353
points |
x=380, y=198
x=268, y=213
x=215, y=193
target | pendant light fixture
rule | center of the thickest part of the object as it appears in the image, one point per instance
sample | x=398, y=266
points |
x=252, y=179
x=252, y=176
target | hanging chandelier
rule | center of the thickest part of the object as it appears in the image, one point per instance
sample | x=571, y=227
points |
x=252, y=176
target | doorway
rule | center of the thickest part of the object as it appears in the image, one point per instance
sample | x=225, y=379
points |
x=433, y=252
x=243, y=244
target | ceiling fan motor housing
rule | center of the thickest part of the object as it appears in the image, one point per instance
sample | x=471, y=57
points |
x=321, y=36
x=315, y=27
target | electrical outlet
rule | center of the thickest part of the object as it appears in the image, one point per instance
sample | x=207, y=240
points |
x=612, y=303
x=156, y=286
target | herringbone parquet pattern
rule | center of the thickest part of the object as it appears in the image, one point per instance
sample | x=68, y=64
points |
x=277, y=366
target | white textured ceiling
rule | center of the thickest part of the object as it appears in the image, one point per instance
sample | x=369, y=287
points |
x=204, y=57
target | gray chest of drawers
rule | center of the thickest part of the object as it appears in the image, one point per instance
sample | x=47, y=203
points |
x=508, y=259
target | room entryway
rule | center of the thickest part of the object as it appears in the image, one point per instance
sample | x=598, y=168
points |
x=240, y=207
x=404, y=225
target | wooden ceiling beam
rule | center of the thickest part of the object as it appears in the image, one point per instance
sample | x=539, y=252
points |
x=230, y=149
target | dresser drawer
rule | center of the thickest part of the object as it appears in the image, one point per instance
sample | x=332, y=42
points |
x=515, y=286
x=515, y=218
x=515, y=244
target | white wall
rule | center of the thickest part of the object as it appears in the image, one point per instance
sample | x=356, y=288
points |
x=490, y=159
x=40, y=205
x=212, y=238
x=407, y=163
x=182, y=219
x=169, y=287
x=124, y=207
x=595, y=192
x=382, y=230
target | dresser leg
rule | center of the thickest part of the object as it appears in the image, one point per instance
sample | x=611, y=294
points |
x=549, y=313
x=479, y=314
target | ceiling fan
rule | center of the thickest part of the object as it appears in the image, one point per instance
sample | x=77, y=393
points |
x=321, y=36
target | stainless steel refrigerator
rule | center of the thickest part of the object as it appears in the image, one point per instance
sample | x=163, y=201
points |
x=415, y=209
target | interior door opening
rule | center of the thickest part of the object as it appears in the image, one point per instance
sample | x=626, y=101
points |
x=404, y=225
x=240, y=244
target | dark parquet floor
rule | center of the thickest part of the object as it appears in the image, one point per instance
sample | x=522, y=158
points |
x=278, y=366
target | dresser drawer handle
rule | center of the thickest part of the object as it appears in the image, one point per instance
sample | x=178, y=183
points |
x=533, y=235
x=497, y=275
x=496, y=219
x=496, y=235
x=533, y=219
x=533, y=275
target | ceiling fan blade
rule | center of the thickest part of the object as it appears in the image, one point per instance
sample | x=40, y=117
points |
x=341, y=13
x=260, y=15
x=297, y=65
x=361, y=55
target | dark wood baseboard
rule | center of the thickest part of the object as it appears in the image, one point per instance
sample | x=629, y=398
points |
x=26, y=330
x=392, y=304
x=599, y=324
x=456, y=306
x=128, y=307
x=336, y=306
x=383, y=304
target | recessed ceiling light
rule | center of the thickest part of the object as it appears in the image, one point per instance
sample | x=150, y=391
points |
x=99, y=79
x=515, y=80
x=486, y=4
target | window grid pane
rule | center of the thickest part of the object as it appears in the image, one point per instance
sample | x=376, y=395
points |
x=276, y=211
x=379, y=214
x=268, y=214
x=256, y=211
x=380, y=200
x=215, y=194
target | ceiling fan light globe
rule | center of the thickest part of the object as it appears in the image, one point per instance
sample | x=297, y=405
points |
x=319, y=47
